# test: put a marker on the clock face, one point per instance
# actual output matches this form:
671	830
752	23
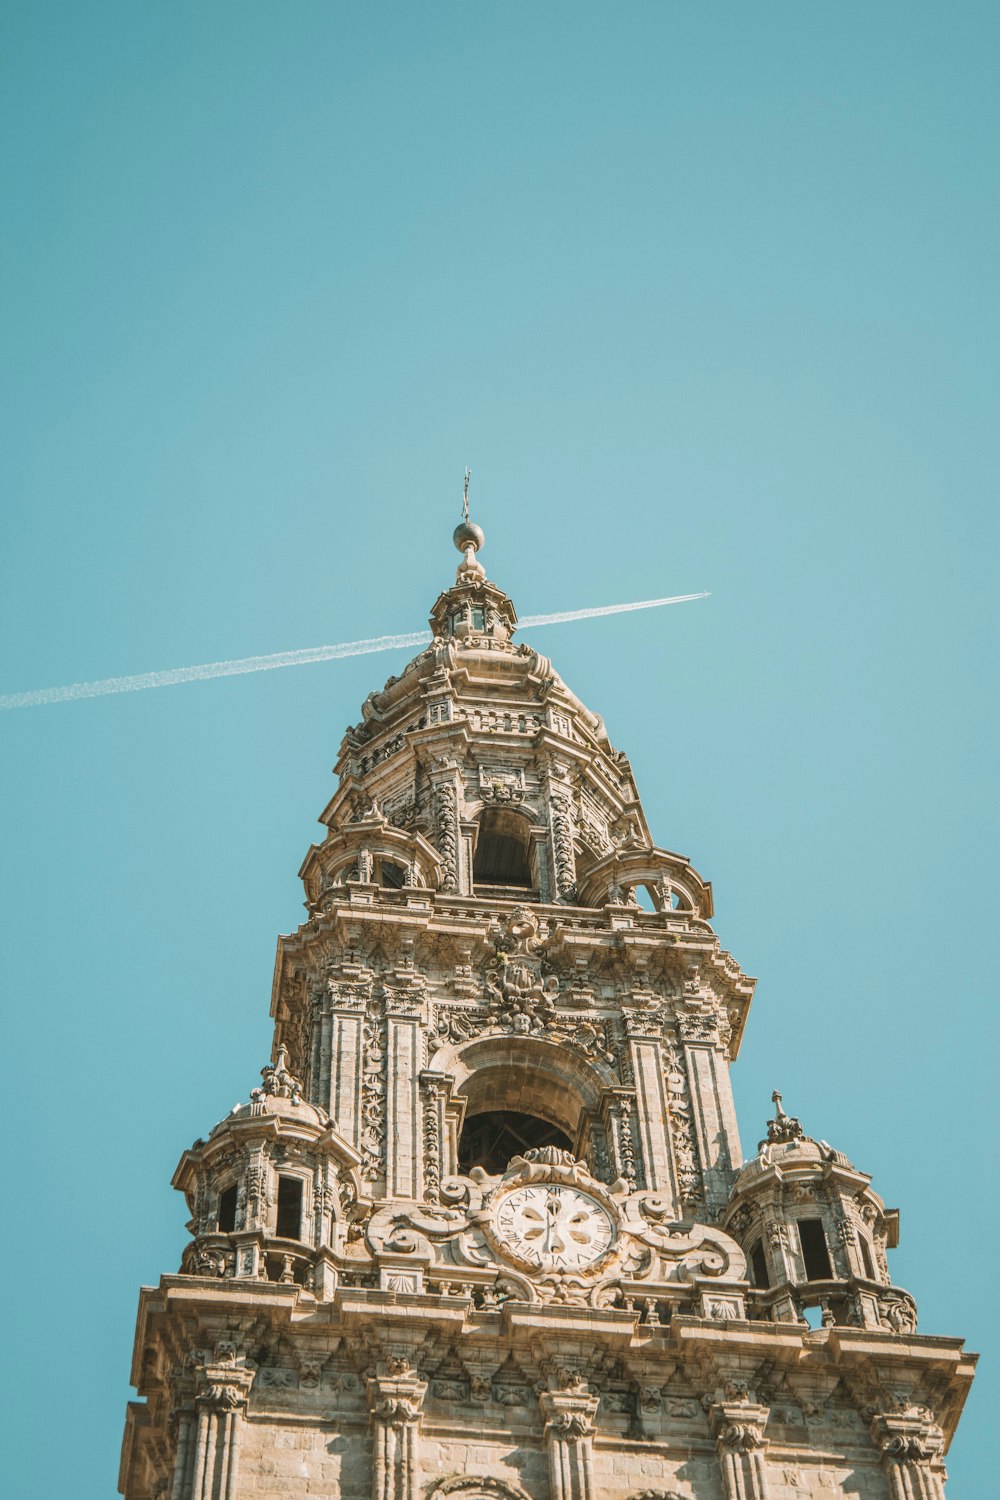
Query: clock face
549	1226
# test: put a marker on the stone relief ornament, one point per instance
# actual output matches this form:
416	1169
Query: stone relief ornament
689	1178
561	805
447	836
373	1088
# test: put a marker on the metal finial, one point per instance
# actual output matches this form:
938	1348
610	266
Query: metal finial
468	537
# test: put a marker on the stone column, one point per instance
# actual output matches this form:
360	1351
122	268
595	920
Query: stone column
211	1463
911	1446
645	1040
569	1439
395	1403
740	1445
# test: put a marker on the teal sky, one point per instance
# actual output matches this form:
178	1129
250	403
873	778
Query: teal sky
706	296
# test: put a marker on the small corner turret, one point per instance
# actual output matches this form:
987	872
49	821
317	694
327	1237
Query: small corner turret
815	1234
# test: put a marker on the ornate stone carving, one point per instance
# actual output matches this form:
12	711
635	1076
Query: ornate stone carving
783	1127
277	1081
373	1090
447	836
689	1176
561	807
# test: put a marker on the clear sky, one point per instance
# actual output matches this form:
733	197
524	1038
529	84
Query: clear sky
706	296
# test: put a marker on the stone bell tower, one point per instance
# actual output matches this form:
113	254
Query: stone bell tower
484	1231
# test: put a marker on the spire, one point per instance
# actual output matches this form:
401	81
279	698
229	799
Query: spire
468	538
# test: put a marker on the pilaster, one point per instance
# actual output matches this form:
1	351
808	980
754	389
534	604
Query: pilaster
645	1043
713	1109
911	1446
740	1445
395	1403
569	1440
403	1141
207	1468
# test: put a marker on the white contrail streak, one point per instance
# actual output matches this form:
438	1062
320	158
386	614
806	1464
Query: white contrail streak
106	685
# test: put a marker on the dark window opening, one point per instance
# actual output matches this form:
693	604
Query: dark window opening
814	1252
392	875
502	851
758	1266
227	1210
289	1226
866	1258
490	1140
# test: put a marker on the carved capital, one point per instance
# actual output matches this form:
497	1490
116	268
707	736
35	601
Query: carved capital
911	1438
568	1415
224	1388
395	1401
738	1426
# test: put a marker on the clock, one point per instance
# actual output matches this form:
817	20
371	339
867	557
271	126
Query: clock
552	1227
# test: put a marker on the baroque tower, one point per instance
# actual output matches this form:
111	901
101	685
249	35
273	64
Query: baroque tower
484	1230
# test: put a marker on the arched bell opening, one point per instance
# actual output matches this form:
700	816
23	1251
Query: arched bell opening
539	1094
491	1138
503	858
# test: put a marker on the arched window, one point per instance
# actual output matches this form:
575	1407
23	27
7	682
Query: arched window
503	850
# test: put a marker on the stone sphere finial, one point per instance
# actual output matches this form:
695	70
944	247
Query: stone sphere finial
468	534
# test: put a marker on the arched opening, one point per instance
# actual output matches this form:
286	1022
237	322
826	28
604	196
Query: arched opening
586	859
503	851
489	1139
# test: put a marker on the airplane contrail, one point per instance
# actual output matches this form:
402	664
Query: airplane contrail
136	684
